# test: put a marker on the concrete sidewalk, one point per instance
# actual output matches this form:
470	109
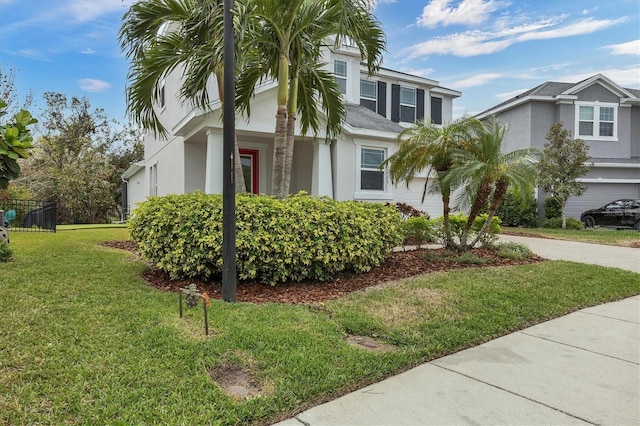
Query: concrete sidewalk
583	368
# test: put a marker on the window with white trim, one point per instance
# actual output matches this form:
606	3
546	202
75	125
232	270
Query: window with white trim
407	105
340	71
153	180
369	94
371	177
595	120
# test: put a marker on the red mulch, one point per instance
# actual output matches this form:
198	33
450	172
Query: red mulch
399	265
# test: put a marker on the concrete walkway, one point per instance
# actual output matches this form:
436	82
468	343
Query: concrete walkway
583	368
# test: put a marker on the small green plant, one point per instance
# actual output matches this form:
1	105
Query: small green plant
418	230
514	251
457	222
5	251
556	223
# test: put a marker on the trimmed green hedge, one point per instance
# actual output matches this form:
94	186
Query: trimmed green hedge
294	239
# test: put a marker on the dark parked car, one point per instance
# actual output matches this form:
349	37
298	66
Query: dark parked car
616	214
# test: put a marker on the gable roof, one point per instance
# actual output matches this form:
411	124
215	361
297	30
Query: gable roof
553	91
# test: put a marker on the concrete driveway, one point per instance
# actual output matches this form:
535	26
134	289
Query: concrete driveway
596	254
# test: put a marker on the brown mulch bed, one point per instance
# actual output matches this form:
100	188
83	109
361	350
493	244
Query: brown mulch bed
399	265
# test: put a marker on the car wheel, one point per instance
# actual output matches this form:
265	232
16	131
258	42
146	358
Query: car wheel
589	221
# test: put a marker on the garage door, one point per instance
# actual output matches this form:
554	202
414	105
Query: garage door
599	194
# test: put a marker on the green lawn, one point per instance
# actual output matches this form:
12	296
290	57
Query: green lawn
611	237
84	340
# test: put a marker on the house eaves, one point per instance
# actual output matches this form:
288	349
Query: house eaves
364	122
133	170
514	103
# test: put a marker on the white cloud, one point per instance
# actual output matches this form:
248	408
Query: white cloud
86	10
508	95
629	76
628	48
584	26
93	85
476	42
476	80
88	51
374	3
468	12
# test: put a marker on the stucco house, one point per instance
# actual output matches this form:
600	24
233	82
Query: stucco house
599	111
345	168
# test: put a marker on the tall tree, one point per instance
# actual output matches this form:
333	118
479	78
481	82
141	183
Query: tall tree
563	161
286	41
73	163
429	147
161	36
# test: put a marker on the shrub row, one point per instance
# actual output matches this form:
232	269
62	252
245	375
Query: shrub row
293	239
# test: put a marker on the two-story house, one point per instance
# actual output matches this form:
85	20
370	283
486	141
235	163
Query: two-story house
597	110
345	168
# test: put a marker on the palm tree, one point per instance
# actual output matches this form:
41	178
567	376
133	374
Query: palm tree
431	147
486	174
161	36
287	40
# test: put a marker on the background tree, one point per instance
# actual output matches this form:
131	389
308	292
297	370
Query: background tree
563	161
9	94
77	163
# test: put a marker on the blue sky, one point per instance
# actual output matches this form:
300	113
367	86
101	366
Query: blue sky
490	50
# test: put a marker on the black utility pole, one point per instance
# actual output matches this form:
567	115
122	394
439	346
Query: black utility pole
228	153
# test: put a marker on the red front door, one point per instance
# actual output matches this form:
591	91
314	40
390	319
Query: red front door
249	160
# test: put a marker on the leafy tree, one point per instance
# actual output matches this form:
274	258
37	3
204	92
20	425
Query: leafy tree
15	143
75	161
161	36
285	46
430	147
563	161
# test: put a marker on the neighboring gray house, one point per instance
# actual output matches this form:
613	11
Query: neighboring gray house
345	168
599	111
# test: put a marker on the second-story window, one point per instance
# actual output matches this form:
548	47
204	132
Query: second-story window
340	71
407	105
369	94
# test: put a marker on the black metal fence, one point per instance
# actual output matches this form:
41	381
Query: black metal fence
28	215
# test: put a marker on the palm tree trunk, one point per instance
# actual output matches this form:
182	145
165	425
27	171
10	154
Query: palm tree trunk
237	164
500	191
480	201
291	127
280	137
448	241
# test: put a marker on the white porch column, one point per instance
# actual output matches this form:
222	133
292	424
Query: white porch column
213	173
322	175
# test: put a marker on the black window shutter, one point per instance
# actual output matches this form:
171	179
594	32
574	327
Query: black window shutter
419	104
395	103
436	110
382	98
